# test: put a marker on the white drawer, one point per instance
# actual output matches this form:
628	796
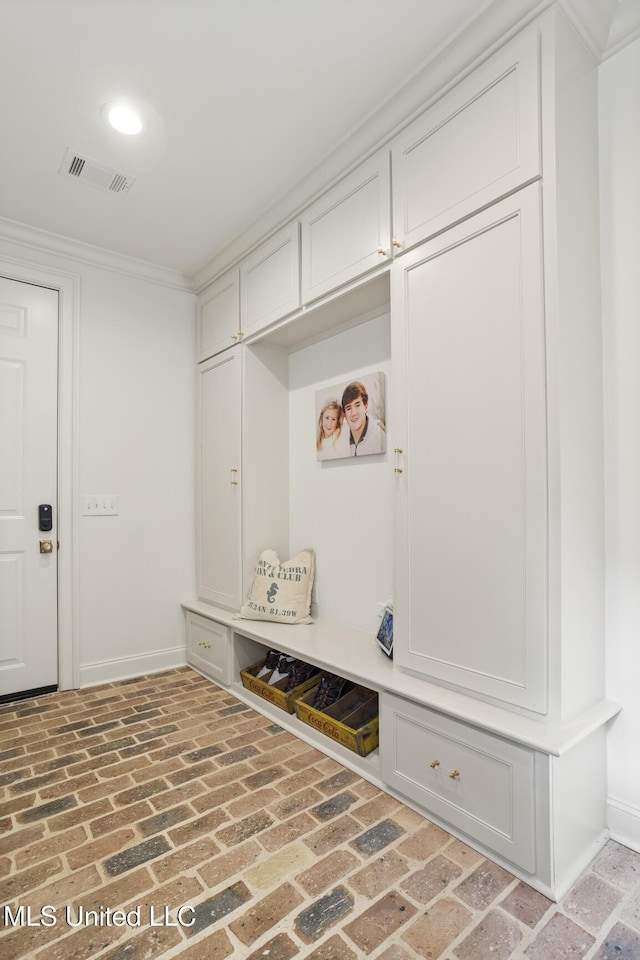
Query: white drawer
480	783
209	647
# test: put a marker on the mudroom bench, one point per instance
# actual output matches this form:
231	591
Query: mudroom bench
483	773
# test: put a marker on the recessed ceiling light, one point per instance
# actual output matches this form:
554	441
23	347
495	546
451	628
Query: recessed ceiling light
123	118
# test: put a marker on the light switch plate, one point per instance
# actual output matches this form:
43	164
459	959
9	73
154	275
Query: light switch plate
100	505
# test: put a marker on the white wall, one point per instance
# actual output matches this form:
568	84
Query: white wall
341	507
620	225
136	440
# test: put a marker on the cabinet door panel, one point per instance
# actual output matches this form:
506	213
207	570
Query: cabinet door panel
219	316
479	783
270	281
343	232
476	144
209	647
218	476
472	558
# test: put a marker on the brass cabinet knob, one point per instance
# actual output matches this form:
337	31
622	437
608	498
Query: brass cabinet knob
382	252
434	764
396	243
454	775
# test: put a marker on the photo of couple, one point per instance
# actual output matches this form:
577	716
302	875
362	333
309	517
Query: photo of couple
350	418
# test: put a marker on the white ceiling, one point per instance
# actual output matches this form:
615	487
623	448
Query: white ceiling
243	98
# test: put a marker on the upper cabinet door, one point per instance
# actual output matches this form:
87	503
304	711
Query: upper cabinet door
347	231
219	316
478	143
270	280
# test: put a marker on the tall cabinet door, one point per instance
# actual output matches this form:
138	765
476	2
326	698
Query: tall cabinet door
470	586
218	494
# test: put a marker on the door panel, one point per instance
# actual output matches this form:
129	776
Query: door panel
346	232
471	580
28	477
219	497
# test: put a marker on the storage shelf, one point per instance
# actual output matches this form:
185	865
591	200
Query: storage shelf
360	300
354	655
368	766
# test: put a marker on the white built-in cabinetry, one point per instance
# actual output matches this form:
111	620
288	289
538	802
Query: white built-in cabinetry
487	127
472	531
270	280
347	231
492	714
218	316
219	479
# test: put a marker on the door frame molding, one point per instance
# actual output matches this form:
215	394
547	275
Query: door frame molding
68	287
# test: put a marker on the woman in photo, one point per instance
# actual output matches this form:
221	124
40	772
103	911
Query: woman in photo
330	439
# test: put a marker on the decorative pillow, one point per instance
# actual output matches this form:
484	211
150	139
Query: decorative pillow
281	591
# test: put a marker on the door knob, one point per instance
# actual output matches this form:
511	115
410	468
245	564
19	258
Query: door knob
46	546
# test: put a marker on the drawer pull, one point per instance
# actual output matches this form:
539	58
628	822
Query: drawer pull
434	764
207	646
455	775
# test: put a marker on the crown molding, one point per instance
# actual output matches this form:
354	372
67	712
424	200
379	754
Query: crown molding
52	243
604	26
592	20
625	27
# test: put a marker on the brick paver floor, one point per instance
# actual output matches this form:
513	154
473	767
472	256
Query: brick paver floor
161	817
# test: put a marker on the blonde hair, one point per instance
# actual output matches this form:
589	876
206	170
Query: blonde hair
329	405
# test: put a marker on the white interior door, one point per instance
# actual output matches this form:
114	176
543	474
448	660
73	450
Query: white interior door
28	478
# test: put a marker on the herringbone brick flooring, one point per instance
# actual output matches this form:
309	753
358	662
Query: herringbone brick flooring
161	818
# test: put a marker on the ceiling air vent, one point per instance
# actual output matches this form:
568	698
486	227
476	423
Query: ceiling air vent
94	173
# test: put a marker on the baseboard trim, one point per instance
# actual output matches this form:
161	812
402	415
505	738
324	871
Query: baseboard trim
126	668
624	823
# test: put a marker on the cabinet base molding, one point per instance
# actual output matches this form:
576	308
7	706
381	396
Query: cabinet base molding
555	891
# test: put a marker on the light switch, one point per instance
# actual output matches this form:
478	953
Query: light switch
100	505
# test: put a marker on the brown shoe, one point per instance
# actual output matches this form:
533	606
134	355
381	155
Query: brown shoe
329	690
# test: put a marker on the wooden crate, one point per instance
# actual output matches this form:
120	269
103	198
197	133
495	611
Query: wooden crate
275	693
352	720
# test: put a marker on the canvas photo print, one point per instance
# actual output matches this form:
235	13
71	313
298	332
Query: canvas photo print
351	418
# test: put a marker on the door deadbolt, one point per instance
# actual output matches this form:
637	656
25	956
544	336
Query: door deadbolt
45	517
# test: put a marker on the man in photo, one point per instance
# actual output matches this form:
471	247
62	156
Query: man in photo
366	434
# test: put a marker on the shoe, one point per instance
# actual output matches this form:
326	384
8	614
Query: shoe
300	671
329	690
270	664
282	670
